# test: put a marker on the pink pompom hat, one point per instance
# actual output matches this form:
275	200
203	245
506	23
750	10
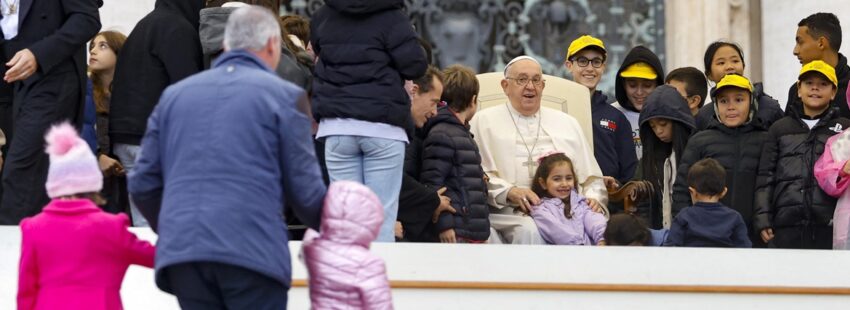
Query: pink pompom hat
73	166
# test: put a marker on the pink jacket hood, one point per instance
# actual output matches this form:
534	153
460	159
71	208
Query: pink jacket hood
352	214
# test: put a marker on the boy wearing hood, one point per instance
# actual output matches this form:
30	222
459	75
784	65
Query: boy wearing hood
162	49
612	133
792	211
735	140
639	75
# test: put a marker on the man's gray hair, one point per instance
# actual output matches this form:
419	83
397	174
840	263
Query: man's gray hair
250	28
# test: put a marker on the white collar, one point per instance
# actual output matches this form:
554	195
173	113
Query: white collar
516	113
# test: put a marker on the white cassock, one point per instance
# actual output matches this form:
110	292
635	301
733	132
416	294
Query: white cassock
505	159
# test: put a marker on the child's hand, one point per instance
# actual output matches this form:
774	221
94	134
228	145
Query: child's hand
601	243
846	169
767	234
448	236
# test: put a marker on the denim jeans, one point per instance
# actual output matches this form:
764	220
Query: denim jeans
126	154
376	162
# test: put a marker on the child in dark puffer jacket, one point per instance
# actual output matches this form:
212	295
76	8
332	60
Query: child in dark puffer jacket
450	158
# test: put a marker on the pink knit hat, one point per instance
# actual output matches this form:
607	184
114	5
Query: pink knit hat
73	167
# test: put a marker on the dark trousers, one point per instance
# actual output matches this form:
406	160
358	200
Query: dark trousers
207	285
38	103
802	237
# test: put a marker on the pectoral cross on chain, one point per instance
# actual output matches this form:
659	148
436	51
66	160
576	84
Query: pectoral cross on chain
13	8
532	166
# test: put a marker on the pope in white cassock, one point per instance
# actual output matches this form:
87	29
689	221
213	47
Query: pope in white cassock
512	136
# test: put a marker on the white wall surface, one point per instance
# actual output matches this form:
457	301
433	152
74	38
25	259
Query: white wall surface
779	25
122	15
545	264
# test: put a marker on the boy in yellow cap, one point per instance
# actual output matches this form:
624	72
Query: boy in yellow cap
612	132
638	76
792	211
733	139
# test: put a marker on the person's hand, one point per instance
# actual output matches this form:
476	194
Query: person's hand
601	243
595	205
611	183
767	234
445	205
399	230
110	166
21	66
524	198
448	236
846	168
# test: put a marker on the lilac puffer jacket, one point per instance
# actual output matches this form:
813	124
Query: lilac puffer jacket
343	274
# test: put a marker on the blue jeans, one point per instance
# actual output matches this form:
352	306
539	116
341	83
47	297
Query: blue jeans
126	154
378	163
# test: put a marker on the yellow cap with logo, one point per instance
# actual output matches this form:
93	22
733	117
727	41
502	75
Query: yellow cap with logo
822	68
583	42
733	80
639	70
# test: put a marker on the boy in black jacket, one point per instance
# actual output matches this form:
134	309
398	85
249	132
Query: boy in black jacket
450	158
708	223
792	211
613	146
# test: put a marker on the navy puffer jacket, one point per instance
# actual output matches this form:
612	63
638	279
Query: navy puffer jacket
366	50
450	158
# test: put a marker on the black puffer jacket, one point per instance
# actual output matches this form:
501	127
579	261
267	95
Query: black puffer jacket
768	111
738	150
366	49
637	54
788	195
450	158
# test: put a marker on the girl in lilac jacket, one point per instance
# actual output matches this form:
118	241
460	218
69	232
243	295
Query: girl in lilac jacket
73	254
343	274
832	171
563	216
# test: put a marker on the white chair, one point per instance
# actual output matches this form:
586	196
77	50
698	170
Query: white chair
560	94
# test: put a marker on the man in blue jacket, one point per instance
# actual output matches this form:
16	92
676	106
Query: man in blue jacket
224	151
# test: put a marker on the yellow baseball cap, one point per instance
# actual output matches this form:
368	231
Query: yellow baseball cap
583	42
822	68
640	70
733	80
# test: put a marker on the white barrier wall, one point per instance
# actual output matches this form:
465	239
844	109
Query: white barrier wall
436	276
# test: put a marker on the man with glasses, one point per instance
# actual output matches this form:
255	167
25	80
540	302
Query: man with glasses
612	132
512	137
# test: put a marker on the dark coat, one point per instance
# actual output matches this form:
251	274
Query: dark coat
842	72
366	49
637	54
207	207
738	150
613	145
664	102
162	49
708	225
417	202
450	158
768	111
788	196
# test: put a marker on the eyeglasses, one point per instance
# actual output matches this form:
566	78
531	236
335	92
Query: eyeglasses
583	62
523	81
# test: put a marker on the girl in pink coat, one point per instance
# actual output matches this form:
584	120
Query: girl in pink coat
74	255
832	171
343	274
